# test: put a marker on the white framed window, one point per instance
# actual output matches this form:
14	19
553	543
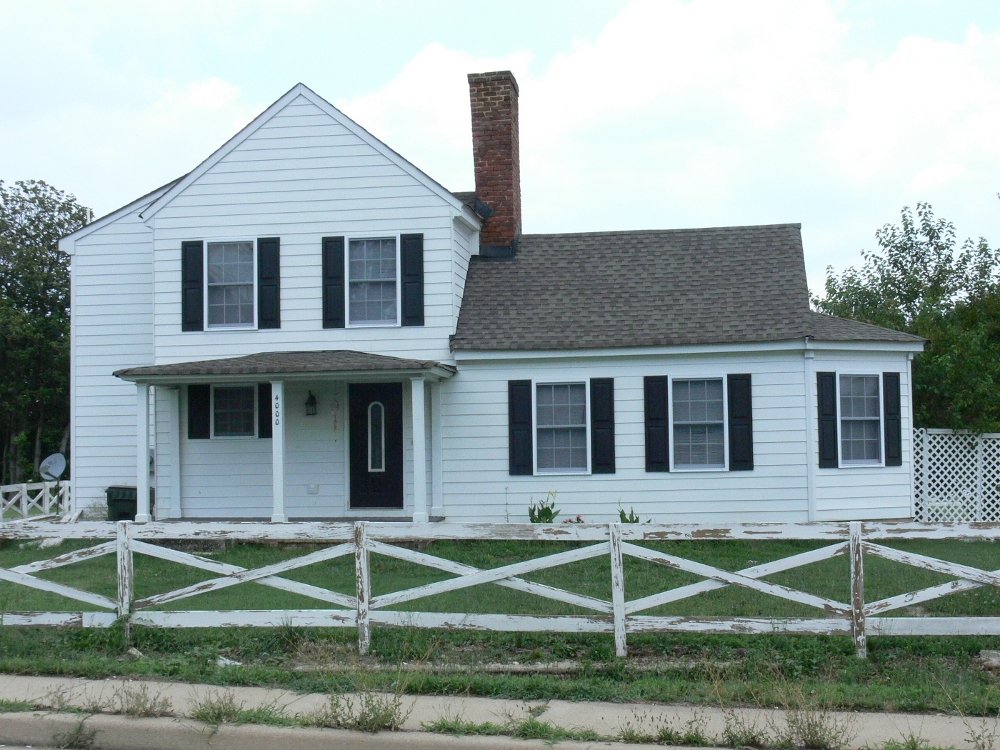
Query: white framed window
859	416
234	411
562	427
376	437
698	424
231	284
373	284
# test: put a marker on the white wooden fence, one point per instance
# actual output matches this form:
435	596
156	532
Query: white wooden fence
620	616
40	498
956	476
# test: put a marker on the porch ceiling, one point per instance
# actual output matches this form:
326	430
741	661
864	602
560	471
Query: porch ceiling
342	363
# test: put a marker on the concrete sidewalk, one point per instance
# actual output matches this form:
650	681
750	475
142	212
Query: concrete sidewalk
55	693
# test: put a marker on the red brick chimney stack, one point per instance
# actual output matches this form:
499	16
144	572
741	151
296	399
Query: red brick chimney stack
496	154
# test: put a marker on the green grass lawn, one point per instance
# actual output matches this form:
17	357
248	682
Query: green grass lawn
918	674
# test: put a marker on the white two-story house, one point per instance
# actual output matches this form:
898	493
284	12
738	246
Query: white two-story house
306	326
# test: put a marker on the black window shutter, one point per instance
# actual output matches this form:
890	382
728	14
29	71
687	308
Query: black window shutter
602	428
199	412
826	390
192	286
740	423
657	424
412	256
893	419
264	410
333	282
519	419
269	282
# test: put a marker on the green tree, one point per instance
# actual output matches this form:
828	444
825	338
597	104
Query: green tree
921	281
34	324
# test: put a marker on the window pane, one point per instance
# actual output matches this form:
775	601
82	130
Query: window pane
860	420
230	284
235	414
376	443
699	432
561	419
372	267
699	445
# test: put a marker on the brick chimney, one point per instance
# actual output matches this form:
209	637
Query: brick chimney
497	159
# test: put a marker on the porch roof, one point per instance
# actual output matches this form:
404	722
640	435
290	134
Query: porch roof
287	366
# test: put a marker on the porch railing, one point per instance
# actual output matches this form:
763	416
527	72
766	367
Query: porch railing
38	498
619	616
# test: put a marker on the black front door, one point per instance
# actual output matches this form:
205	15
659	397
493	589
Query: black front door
376	426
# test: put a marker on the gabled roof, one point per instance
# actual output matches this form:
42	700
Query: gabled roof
304	91
601	290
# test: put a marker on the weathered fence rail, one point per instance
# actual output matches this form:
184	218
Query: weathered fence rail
40	498
620	616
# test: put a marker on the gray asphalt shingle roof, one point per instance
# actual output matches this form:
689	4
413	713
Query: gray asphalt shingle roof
648	288
284	363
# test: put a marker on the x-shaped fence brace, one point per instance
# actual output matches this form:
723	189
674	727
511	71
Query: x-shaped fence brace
618	615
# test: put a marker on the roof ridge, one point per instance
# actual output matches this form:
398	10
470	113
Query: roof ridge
620	232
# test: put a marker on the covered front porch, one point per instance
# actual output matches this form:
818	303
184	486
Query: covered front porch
324	435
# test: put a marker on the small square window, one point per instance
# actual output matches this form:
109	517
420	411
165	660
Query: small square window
860	420
230	285
561	426
372	273
699	424
234	411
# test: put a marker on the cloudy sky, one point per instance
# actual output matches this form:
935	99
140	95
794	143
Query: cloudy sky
634	115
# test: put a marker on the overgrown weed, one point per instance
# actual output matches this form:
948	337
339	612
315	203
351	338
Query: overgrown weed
644	729
134	699
78	738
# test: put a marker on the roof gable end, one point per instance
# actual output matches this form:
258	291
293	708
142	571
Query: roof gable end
300	90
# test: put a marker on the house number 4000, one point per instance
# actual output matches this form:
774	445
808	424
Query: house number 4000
277	410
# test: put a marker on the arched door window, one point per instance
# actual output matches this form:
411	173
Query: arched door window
376	436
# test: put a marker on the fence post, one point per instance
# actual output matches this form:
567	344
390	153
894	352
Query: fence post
24	501
858	593
617	588
126	574
363	573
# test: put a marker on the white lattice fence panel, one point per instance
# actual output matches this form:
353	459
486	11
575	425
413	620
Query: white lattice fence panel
956	476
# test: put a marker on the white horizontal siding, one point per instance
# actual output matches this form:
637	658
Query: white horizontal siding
112	321
863	492
477	485
303	176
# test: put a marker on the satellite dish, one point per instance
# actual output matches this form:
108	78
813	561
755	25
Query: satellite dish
53	467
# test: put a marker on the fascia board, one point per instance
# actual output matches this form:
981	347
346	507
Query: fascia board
795	345
71	238
300	89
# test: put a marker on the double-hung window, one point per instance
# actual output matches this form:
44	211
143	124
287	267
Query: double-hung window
699	424
372	280
230	281
860	420
234	411
561	427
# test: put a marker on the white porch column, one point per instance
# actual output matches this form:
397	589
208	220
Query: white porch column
419	451
437	451
171	506
142	453
278	451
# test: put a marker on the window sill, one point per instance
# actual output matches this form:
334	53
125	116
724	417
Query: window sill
374	324
234	437
861	465
698	469
562	472
230	328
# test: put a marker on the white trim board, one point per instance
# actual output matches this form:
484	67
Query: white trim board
795	345
304	91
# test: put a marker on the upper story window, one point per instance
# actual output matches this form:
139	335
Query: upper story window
372	271
230	281
860	420
561	427
699	424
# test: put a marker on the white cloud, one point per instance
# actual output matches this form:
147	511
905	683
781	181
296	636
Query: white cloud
724	112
